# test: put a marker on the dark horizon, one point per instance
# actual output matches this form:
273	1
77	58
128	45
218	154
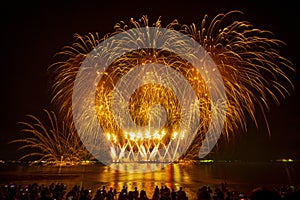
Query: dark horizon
33	32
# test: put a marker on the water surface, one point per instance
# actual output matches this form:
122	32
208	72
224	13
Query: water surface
242	177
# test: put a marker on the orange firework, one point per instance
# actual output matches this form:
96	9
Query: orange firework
251	67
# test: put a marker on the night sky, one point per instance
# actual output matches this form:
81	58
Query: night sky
31	33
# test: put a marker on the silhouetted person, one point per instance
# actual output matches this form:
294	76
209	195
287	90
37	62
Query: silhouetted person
130	195
264	194
219	194
203	193
156	194
173	194
135	193
143	195
181	194
123	194
110	194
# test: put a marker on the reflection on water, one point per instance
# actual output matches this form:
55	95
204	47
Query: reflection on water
238	176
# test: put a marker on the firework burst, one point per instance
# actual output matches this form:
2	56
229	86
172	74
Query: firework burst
52	142
247	58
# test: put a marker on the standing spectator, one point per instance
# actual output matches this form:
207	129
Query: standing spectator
181	194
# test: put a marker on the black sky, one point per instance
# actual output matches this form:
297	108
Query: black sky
32	32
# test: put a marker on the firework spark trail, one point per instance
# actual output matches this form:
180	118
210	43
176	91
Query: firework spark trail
252	70
83	99
244	57
53	142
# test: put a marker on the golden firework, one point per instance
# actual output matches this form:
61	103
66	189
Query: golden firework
252	69
53	143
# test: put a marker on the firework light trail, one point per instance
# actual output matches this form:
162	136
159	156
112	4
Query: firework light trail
53	142
252	73
149	130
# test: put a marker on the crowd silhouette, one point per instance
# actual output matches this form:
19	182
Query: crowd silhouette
59	192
